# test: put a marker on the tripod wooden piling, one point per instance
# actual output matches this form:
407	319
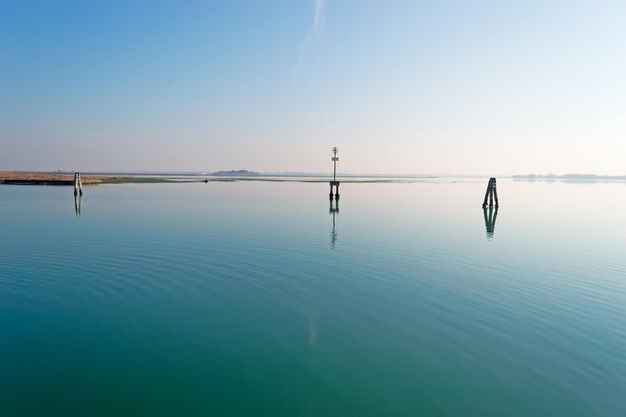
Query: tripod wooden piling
491	193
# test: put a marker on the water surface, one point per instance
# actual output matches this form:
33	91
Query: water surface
256	299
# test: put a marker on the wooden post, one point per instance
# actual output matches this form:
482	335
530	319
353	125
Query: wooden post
78	185
336	185
490	193
495	193
487	193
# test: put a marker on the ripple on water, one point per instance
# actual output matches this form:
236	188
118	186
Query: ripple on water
413	306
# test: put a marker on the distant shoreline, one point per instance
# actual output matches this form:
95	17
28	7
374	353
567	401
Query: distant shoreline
67	179
570	177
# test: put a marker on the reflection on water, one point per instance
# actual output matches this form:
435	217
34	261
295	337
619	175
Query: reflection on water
78	202
334	209
490	220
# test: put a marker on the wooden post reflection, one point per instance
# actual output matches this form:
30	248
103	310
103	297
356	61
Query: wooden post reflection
334	210
78	202
490	220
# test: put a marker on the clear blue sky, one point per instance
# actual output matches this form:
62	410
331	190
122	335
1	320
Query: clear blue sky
469	87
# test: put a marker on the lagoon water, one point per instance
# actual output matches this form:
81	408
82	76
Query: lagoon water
252	299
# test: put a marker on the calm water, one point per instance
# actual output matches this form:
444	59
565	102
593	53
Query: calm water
252	299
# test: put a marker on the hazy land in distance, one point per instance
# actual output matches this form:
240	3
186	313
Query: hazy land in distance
89	178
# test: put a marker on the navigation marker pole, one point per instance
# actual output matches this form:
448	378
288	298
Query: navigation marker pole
334	182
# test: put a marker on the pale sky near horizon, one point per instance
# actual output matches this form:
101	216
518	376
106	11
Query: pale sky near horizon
461	87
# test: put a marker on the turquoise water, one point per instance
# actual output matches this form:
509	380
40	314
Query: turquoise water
252	299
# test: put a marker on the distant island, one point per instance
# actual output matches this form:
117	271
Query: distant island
235	173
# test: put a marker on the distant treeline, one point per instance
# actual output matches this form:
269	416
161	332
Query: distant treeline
240	172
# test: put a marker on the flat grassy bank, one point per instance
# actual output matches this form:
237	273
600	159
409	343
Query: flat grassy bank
38	178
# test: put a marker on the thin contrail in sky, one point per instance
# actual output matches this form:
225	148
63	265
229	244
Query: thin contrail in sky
314	33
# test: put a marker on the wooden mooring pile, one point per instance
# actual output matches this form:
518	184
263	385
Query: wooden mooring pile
78	185
491	193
